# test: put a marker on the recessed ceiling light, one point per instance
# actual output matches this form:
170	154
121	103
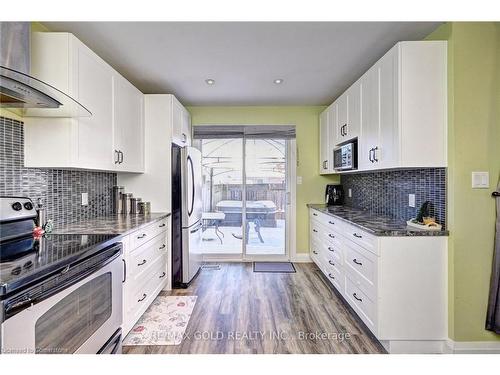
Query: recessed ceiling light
278	81
210	81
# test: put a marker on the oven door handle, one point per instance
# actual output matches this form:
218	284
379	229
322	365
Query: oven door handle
37	293
113	346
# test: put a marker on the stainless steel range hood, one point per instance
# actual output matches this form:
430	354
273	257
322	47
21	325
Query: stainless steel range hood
22	93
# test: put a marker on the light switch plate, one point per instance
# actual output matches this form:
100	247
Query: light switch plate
480	180
349	193
411	200
299	180
85	199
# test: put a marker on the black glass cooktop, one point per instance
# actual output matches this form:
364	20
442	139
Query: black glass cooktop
25	260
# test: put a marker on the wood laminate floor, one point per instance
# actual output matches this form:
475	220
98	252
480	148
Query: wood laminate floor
239	311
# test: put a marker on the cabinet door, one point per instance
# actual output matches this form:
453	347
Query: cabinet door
179	131
95	133
353	111
388	147
332	127
342	118
128	149
186	126
370	119
323	142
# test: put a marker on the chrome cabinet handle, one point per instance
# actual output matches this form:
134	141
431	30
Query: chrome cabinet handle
142	263
124	271
331	249
315	231
356	262
117	157
315	252
357	235
331	276
184	137
315	214
331	235
162	247
331	262
163	275
161	225
141	236
375	160
331	222
372	158
143	298
356	297
121	159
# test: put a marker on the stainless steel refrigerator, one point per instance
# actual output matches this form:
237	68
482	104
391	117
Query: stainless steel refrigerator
186	214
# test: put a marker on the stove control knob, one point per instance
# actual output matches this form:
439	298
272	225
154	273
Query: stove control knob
28	206
17	206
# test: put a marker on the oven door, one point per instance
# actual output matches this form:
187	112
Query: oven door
80	318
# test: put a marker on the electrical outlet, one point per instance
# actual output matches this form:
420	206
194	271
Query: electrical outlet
349	193
299	180
85	199
411	200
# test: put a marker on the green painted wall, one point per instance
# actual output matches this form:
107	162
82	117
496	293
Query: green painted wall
306	120
473	145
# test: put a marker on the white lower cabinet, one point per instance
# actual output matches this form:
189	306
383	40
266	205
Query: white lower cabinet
146	266
396	285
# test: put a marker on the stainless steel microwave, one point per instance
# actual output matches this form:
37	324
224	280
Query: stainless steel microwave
345	157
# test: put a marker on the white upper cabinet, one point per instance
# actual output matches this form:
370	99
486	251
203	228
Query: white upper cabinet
398	109
128	134
181	124
323	142
63	61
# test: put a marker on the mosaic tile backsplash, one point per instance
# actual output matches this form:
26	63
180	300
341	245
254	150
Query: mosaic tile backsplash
60	190
386	192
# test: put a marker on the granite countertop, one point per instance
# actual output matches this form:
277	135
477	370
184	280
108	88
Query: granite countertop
375	224
113	224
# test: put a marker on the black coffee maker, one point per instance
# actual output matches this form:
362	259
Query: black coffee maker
334	195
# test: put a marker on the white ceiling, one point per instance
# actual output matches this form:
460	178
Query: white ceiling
317	60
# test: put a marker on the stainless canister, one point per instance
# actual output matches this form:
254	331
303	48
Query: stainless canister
126	203
134	205
145	208
117	199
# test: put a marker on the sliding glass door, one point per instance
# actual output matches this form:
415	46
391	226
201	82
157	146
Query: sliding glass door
245	198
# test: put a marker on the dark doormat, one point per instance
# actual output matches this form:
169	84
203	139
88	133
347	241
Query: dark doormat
274	267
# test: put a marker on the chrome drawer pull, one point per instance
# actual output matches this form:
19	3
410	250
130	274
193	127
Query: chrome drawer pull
331	249
331	222
315	231
162	225
331	235
331	277
358	263
141	236
357	235
143	262
314	252
143	298
315	214
163	275
162	247
356	297
331	262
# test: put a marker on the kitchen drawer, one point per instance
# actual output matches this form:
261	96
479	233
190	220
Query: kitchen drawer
315	252
142	258
137	298
335	277
332	255
362	265
150	231
362	238
360	302
324	233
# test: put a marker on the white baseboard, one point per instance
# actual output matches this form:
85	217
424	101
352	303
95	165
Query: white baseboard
414	346
472	347
301	258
